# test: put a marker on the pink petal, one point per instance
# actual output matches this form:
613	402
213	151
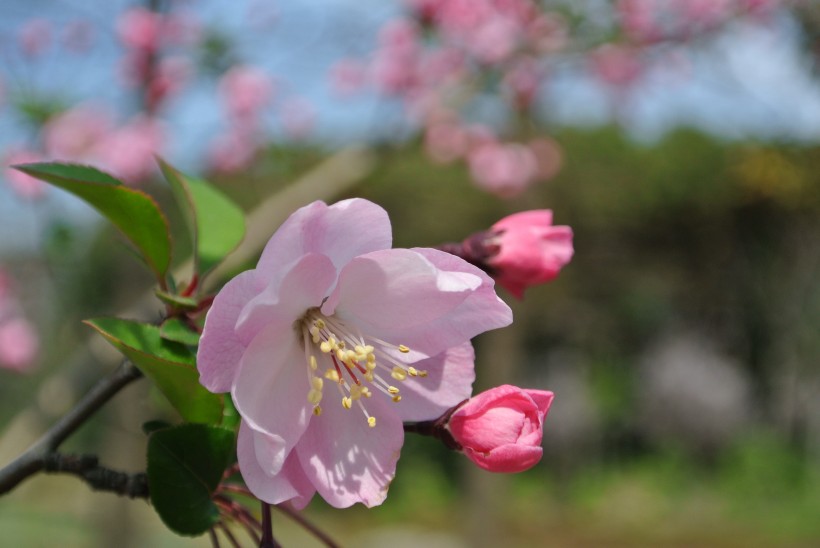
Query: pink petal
219	348
449	381
398	288
305	284
270	391
480	311
345	459
341	231
506	459
525	220
290	483
542	398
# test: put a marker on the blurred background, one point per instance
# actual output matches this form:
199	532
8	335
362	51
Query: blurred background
678	139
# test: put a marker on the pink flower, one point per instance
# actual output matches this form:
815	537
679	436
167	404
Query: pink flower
23	185
35	37
18	344
332	342
245	90
73	134
128	152
616	65
232	151
501	429
503	169
529	250
140	28
445	142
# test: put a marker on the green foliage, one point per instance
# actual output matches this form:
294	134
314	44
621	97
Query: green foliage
185	466
217	224
174	329
169	364
132	211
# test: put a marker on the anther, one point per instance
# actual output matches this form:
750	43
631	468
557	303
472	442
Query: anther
371	422
347	403
403	349
398	373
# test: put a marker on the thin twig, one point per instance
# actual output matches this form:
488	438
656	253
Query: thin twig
229	535
33	460
310	527
98	477
214	538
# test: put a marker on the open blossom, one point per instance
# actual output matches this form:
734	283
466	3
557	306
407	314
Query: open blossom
332	342
528	250
501	429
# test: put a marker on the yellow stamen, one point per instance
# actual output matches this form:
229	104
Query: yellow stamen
398	373
317	410
371	422
347	403
403	349
332	375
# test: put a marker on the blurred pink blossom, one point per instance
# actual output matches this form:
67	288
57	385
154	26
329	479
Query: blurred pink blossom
616	65
74	134
35	36
23	185
232	151
245	91
549	156
505	169
298	118
523	80
445	142
19	345
140	28
128	151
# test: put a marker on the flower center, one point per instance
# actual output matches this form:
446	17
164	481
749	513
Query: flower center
338	352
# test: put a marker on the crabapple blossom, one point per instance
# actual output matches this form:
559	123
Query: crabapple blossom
19	344
334	340
501	429
505	169
529	250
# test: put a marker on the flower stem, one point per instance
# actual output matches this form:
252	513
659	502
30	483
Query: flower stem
34	459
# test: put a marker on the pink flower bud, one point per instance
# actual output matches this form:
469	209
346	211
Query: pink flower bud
19	345
530	250
501	429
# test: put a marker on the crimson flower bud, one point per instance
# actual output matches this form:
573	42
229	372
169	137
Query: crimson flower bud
528	250
501	429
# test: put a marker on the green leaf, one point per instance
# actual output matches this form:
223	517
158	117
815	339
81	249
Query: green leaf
149	427
175	329
132	211
177	301
170	365
216	223
185	466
